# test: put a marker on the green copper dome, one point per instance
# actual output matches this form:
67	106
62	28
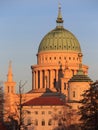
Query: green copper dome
80	76
59	39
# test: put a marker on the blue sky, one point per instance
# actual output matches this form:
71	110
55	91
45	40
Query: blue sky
23	23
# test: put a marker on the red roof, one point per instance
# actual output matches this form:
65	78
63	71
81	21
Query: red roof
45	100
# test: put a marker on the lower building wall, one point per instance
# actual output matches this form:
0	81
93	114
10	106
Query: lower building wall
41	117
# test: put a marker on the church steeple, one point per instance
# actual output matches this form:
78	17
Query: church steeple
10	84
10	75
59	20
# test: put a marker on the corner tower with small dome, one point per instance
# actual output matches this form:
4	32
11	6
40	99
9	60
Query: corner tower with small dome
58	59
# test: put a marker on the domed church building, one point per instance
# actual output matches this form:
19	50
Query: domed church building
58	79
58	59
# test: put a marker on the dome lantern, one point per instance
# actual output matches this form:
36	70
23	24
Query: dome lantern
59	20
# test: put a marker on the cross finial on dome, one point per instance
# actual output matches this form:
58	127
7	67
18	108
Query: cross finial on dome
59	11
59	20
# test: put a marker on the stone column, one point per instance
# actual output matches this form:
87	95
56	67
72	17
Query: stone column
51	78
36	80
48	79
57	82
33	80
41	79
45	79
56	75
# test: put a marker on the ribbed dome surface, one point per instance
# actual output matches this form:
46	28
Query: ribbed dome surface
59	39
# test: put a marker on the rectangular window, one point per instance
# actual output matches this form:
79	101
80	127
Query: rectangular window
28	121
8	89
74	94
36	122
36	112
59	112
28	112
49	112
50	122
43	112
65	86
43	122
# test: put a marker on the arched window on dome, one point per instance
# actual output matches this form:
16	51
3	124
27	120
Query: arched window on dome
55	58
50	58
73	58
60	58
64	58
45	58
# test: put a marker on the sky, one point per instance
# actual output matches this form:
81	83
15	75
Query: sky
23	24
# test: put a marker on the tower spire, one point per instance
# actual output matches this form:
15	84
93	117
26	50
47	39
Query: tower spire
10	84
10	74
59	20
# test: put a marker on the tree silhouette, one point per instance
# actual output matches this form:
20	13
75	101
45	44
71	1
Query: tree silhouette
89	108
1	101
65	120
